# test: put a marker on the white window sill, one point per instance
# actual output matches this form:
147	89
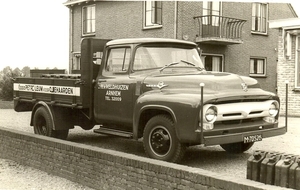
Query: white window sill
258	76
259	33
152	27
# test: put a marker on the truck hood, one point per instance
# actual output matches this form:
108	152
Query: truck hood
216	84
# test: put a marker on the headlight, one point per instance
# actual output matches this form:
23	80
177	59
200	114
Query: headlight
211	114
273	109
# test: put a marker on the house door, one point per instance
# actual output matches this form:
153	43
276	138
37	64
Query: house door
211	19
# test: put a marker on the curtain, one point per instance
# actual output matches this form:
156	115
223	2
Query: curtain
216	62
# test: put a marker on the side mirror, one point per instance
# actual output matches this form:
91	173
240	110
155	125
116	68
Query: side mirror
200	51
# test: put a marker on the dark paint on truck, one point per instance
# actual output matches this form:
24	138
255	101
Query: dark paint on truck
150	88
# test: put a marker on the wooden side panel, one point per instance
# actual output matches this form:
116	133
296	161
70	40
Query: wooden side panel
56	91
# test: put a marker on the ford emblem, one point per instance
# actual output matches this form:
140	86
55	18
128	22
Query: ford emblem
244	87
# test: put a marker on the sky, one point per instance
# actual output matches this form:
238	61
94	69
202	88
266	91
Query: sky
35	33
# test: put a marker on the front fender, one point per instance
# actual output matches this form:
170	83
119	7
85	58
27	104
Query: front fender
183	108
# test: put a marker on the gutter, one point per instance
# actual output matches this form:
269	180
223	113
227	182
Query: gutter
175	19
72	2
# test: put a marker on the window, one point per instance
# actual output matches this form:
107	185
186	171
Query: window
76	61
118	61
259	17
213	62
88	20
257	66
152	14
97	57
212	9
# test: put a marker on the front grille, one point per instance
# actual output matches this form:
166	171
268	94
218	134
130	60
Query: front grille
232	114
240	121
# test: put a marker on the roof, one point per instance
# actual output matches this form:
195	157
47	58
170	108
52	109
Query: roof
147	40
72	2
285	23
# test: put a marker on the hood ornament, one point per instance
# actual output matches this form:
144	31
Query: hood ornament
160	85
244	86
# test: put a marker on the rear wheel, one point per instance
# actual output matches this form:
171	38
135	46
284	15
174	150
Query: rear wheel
43	124
236	148
160	140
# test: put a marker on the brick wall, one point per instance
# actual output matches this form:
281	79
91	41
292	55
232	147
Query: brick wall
107	169
286	72
238	56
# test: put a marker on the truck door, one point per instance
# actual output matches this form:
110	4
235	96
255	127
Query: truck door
114	91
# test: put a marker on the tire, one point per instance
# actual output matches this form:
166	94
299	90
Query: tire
237	148
43	124
160	140
61	134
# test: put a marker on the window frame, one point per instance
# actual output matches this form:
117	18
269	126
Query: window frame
264	74
127	49
203	56
253	16
211	9
76	61
154	16
84	20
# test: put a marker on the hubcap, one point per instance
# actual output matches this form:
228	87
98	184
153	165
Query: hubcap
160	141
42	126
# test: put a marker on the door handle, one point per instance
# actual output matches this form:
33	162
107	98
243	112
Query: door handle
101	80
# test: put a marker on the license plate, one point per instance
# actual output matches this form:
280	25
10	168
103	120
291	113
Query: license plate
252	138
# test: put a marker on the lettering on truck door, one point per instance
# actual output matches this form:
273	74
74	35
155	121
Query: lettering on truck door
114	89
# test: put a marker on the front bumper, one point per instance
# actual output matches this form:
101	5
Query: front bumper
239	137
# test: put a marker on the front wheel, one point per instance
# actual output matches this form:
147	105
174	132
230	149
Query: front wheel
236	148
43	124
160	140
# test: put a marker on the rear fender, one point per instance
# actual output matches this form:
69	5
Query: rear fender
60	116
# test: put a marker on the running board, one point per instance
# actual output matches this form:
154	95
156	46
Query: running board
114	132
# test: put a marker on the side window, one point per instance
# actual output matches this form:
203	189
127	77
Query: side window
257	66
88	20
259	18
152	14
117	61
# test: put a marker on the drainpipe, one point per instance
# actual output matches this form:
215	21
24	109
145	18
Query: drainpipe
175	19
71	40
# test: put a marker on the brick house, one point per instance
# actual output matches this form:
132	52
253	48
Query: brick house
238	41
288	62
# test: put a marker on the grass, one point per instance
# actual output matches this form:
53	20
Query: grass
6	104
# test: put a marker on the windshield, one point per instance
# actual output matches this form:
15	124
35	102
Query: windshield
160	57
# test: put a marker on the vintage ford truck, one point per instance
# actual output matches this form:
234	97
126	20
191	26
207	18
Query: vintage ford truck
153	89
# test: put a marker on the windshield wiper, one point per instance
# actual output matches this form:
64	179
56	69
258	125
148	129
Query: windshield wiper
176	63
170	64
192	64
187	62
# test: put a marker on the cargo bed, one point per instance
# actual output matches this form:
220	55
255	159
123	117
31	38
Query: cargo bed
62	90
